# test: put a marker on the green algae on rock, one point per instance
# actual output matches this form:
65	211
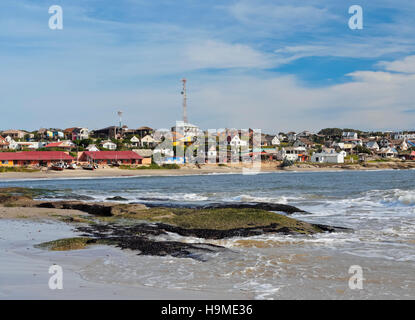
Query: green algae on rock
67	244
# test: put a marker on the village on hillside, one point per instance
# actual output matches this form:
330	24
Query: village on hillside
186	143
119	145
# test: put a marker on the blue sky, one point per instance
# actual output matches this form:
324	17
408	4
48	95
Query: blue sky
275	65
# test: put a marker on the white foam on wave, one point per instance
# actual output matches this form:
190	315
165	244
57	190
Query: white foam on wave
250	198
173	196
407	199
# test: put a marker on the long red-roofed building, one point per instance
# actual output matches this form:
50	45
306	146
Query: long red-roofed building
109	157
33	158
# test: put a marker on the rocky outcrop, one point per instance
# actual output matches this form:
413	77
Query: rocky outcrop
277	207
105	209
116	198
137	227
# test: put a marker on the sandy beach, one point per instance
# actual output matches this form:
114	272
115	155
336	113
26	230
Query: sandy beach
24	269
266	167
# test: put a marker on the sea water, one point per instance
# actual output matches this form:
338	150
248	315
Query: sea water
378	205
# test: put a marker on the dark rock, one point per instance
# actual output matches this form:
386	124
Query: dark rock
136	237
239	205
116	198
327	228
99	209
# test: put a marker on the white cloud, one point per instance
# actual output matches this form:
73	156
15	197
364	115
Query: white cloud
370	100
406	65
282	17
344	47
215	54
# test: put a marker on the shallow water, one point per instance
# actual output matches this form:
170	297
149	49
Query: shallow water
378	205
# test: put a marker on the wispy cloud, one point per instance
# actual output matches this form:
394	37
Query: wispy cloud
214	54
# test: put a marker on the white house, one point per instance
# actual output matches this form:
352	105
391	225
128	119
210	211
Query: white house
304	134
275	141
324	157
148	141
164	151
135	141
403	146
212	153
92	147
349	135
339	145
401	135
237	142
291	136
387	152
372	145
291	153
28	145
13	145
109	145
186	129
80	134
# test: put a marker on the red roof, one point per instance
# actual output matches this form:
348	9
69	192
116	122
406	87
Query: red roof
112	155
35	156
59	144
3	141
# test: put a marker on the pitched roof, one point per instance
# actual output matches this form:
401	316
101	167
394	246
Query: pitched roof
3	142
59	144
306	141
145	153
112	155
69	130
35	155
13	131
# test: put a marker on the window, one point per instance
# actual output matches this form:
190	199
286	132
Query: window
5	162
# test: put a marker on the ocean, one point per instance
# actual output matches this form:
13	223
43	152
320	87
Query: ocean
378	205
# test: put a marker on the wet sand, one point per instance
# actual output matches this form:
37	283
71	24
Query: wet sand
37	213
24	269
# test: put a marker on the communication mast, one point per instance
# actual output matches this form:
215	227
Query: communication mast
184	101
120	123
120	118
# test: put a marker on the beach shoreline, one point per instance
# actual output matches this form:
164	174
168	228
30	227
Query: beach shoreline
268	167
27	269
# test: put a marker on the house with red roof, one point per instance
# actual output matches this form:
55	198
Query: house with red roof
111	157
33	158
67	145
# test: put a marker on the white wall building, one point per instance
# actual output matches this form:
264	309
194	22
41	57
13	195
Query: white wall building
401	135
291	153
109	145
349	135
13	145
324	157
92	147
186	129
135	142
237	142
